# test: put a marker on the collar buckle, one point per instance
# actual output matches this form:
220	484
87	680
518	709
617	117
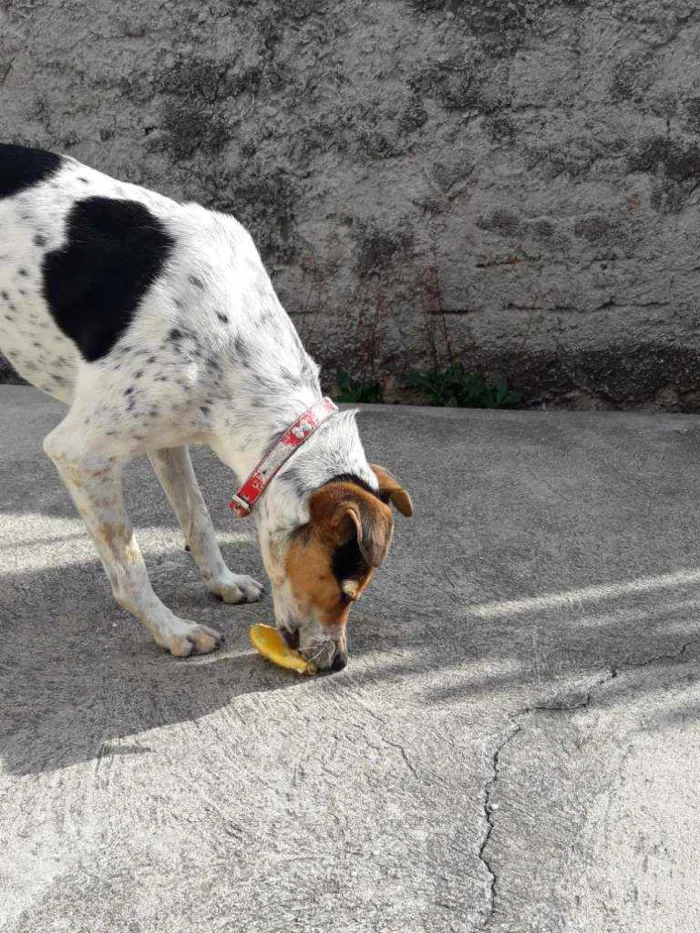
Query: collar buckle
239	506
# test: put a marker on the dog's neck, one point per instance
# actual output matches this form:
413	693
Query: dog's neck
268	381
334	449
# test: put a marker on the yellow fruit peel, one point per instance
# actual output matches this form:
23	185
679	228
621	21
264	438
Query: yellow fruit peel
271	645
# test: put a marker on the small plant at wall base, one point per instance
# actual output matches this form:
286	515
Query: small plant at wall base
454	388
356	391
447	383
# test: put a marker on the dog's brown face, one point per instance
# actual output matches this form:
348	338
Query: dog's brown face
330	561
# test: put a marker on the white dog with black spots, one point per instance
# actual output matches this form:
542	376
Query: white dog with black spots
157	324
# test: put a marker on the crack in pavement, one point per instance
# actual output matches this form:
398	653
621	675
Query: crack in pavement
612	674
490	806
405	757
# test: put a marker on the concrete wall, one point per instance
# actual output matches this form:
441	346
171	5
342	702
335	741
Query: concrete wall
519	178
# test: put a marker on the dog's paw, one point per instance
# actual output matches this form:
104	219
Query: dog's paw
188	638
237	588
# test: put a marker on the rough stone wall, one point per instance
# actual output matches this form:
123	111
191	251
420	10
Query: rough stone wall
514	182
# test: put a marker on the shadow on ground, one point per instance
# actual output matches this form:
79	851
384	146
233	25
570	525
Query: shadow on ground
548	554
77	673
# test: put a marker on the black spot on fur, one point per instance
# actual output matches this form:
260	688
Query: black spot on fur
22	272
84	180
129	390
5	296
93	285
175	334
21	168
193	280
205	410
151	359
222	317
138	374
239	345
264	382
39	240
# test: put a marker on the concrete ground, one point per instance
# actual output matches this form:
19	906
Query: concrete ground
514	745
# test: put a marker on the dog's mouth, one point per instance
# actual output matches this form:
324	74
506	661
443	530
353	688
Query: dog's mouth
322	653
292	638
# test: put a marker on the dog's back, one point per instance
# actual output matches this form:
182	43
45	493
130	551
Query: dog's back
59	221
33	205
84	259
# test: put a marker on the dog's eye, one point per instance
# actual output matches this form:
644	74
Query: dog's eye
344	598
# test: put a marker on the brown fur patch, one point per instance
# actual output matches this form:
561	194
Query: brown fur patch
340	509
390	490
339	513
315	588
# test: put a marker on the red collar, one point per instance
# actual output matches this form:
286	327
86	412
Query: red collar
277	455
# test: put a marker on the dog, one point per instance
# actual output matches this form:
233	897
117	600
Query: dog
157	324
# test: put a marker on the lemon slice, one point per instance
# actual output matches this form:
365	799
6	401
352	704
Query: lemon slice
271	645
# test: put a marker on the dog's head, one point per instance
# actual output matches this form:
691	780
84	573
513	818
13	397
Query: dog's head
322	567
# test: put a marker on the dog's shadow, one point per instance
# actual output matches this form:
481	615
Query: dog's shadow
78	675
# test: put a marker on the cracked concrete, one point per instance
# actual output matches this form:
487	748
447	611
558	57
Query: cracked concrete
514	746
489	807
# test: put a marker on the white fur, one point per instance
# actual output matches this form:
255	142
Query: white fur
235	384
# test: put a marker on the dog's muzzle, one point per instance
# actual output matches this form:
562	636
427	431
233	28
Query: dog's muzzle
327	655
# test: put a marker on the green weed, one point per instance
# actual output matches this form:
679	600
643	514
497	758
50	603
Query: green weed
354	391
453	388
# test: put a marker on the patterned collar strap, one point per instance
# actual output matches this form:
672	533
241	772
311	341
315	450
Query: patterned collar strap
277	455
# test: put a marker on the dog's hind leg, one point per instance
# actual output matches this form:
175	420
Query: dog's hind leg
173	468
94	480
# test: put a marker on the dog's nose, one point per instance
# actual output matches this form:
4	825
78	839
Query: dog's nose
339	661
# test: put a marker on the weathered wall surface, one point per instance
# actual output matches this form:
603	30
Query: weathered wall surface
522	176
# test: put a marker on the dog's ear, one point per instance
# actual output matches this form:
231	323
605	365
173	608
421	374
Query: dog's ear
390	490
341	512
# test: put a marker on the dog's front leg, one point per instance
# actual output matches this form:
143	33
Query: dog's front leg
173	468
95	483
